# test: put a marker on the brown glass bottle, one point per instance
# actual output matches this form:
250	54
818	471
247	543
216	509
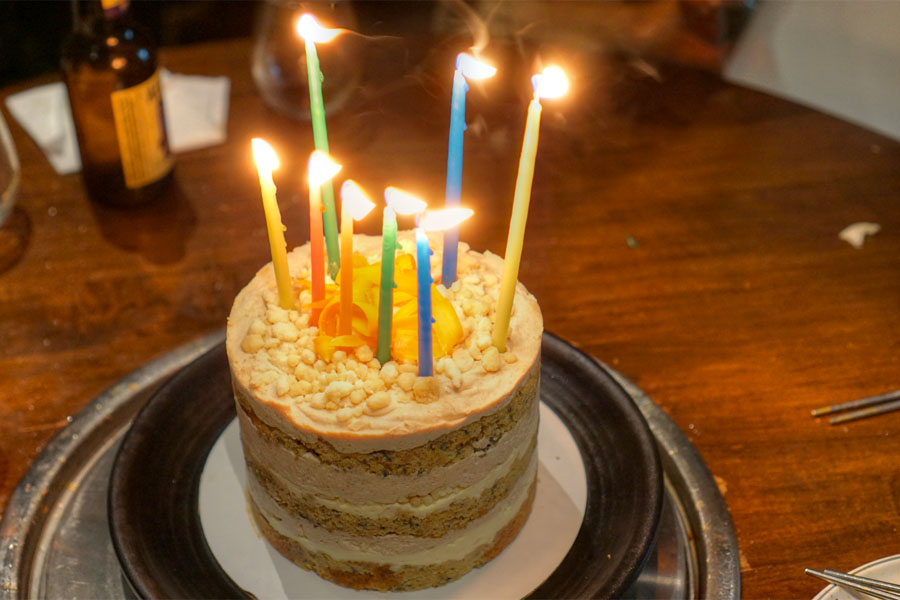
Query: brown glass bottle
110	69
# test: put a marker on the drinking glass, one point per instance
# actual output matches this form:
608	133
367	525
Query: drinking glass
10	173
279	58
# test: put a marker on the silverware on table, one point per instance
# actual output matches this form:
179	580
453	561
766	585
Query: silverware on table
862	408
873	587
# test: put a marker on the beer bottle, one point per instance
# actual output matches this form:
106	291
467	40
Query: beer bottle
110	69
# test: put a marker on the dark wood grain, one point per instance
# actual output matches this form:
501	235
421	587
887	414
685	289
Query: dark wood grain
735	306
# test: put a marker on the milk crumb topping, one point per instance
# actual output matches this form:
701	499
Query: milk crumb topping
354	383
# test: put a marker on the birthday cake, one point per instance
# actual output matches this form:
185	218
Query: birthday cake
369	474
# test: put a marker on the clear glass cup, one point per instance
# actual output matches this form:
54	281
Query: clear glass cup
279	57
10	172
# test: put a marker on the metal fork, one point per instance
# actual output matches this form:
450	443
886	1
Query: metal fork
873	587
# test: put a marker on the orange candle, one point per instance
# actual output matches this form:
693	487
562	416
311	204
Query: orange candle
321	169
354	206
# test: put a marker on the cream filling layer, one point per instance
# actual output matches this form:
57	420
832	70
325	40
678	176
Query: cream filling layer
397	550
309	476
450	495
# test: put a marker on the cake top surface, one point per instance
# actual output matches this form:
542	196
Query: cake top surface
349	398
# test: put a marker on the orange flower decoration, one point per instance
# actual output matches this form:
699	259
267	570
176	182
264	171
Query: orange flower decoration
448	331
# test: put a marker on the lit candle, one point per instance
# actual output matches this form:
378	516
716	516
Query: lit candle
386	291
398	202
552	83
466	68
266	162
439	220
423	266
321	169
309	29
354	206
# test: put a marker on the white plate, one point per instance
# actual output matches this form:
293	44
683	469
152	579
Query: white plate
556	517
886	569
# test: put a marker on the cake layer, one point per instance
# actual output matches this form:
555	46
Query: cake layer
395	550
355	484
445	450
384	577
421	518
403	424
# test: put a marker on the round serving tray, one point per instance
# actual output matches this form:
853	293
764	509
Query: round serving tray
54	540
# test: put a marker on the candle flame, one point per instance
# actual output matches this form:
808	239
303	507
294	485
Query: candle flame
309	29
552	83
354	200
403	203
321	168
472	68
445	218
265	157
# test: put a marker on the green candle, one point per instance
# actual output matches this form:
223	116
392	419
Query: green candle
311	32
386	296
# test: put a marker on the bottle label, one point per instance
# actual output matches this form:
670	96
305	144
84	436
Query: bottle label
141	131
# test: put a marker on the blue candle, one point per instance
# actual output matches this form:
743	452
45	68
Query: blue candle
423	270
553	83
438	220
454	172
466	67
403	203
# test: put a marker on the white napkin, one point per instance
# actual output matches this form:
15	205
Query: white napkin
196	109
45	114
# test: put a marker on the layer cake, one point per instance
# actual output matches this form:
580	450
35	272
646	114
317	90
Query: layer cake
365	473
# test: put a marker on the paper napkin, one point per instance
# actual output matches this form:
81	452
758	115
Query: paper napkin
45	115
196	110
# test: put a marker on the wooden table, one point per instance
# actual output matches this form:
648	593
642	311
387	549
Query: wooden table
682	229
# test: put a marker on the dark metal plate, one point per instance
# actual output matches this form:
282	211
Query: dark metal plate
54	537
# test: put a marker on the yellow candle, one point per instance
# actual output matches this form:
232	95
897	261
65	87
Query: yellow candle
516	238
266	162
552	83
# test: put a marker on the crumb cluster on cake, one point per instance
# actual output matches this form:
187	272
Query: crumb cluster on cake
365	472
